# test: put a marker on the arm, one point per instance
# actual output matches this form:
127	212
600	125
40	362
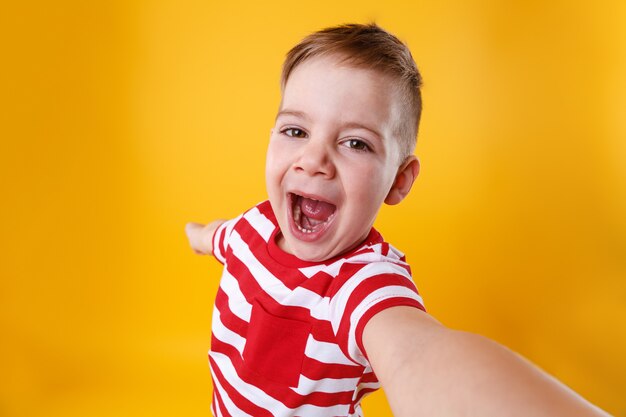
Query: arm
201	236
427	369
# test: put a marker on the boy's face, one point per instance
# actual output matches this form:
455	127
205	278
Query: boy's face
332	157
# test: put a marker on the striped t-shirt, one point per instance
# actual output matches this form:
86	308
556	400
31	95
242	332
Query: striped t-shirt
286	334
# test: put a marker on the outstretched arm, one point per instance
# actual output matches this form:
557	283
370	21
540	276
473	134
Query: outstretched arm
427	369
201	236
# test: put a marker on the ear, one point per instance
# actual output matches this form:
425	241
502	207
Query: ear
407	173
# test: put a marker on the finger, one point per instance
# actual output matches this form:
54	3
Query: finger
192	230
194	235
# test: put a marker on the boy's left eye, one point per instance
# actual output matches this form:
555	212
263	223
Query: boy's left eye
357	144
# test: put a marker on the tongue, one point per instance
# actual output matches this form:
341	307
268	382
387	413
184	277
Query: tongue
315	209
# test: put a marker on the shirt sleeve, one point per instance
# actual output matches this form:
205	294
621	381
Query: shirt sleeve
366	293
221	237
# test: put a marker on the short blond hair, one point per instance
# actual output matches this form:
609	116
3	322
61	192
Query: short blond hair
371	47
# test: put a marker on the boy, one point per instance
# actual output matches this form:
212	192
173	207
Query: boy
312	300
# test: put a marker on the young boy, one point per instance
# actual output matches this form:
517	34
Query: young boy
312	300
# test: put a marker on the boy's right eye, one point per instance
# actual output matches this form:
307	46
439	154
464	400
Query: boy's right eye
294	132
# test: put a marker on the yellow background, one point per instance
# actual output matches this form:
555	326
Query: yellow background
122	120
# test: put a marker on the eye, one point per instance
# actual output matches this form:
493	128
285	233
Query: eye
357	145
294	132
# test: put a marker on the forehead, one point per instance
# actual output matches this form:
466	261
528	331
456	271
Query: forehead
330	87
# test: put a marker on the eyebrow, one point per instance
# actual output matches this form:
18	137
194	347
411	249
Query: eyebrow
349	125
295	113
357	125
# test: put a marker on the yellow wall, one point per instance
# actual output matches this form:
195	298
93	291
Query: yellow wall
123	120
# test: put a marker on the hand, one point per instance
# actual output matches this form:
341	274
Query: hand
201	236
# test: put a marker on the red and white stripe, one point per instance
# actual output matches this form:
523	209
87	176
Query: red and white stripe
332	301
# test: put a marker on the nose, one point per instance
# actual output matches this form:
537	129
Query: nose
315	159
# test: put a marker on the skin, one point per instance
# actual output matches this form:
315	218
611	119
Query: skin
427	369
333	140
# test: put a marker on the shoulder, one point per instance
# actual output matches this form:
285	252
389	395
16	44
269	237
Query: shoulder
373	278
260	213
259	220
381	255
376	264
254	226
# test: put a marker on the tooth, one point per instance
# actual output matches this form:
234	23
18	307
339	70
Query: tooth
297	212
303	230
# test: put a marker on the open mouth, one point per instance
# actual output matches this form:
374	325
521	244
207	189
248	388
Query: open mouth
311	216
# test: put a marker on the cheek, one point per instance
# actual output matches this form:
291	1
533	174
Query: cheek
361	182
276	152
372	184
276	164
272	157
